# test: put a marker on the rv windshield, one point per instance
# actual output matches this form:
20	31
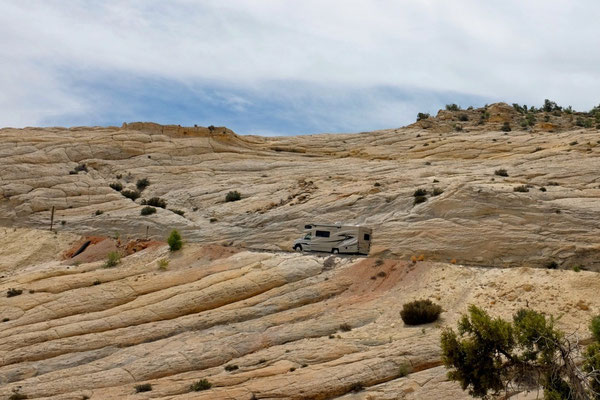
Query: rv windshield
307	237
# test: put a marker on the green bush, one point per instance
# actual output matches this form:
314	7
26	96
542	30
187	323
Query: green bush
99	212
112	259
200	385
142	184
463	117
17	396
452	107
148	210
144	387
163	263
595	327
420	312
231	367
12	292
131	194
155	202
436	191
552	265
421	116
501	172
116	186
174	240
419	200
420	192
506	127
178	212
522	189
233	196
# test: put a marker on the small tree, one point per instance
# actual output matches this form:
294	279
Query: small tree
421	116
174	240
494	355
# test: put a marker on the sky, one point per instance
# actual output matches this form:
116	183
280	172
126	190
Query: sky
289	67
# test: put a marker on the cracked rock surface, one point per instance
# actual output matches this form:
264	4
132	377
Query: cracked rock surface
268	325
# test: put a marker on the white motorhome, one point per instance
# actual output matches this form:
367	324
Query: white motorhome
337	238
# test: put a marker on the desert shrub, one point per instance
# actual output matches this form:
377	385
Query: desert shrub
550	106
116	186
142	184
96	282
233	196
524	123
453	107
212	220
131	194
99	212
357	387
489	356
420	192
458	128
144	387
595	327
542	189
147	210
12	292
436	191
419	200
420	312
163	263
552	265
530	118
178	212
112	259
345	327
421	116
174	240
231	367
522	189
573	143
80	168
463	117
520	109
17	396
329	262
580	121
501	172
156	202
588	123
200	385
576	268
506	127
404	370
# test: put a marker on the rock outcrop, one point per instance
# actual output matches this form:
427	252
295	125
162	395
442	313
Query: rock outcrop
255	325
543	209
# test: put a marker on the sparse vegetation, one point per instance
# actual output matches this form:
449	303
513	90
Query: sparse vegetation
148	210
419	200
463	117
233	195
131	194
99	212
501	172
345	327
357	387
231	367
174	240
144	387
112	259
155	202
420	192
163	264
453	107
17	396
404	370
506	127
552	265
420	312
142	184
489	356
200	385
521	189
79	168
116	186
421	116
436	191
12	292
178	212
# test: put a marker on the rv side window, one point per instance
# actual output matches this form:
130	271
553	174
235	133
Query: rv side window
367	236
322	233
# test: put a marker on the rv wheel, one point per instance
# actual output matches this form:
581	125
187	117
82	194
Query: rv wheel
335	251
298	247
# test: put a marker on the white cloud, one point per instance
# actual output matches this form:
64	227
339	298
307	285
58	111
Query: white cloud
511	49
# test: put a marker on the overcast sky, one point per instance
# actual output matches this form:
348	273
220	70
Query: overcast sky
289	67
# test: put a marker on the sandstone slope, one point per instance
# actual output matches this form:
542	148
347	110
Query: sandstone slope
286	326
285	182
